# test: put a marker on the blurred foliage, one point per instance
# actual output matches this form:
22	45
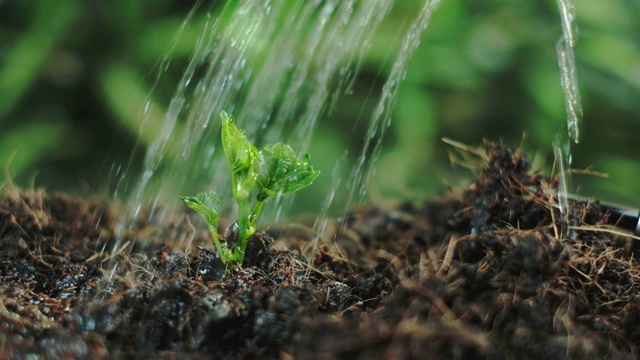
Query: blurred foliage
75	75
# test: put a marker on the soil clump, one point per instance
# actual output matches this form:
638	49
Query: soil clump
495	271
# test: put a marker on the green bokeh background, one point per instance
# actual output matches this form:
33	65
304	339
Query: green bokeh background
74	75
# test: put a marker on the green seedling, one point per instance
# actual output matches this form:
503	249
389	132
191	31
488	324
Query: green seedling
256	176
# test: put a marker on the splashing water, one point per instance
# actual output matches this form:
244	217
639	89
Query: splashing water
563	163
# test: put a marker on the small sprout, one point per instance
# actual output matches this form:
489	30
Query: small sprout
206	204
271	172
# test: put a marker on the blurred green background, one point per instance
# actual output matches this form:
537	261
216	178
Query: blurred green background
75	74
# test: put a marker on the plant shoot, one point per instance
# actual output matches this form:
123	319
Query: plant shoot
256	176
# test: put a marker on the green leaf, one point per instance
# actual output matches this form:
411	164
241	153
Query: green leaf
25	56
242	156
205	204
282	173
275	171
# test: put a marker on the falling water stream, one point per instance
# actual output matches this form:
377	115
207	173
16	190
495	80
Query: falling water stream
277	66
569	83
568	71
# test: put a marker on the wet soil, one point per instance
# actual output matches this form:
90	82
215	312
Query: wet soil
493	271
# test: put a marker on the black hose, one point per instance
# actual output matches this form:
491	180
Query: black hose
619	216
627	219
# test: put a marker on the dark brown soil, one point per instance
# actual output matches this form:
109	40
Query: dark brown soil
489	273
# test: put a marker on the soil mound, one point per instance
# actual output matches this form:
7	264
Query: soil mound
495	272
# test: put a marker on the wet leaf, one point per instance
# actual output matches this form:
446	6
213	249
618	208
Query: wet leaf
282	173
205	204
242	156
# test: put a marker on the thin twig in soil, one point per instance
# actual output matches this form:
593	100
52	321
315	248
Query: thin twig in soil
473	150
605	229
588	172
451	321
591	281
117	251
187	236
451	248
